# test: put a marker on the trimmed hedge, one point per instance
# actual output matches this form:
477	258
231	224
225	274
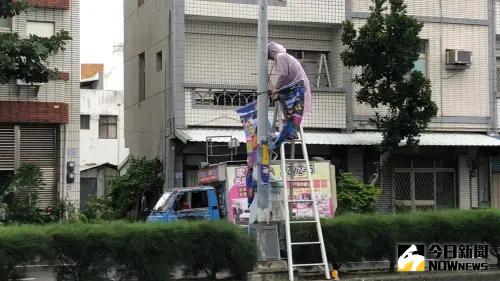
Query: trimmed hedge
353	238
153	251
138	251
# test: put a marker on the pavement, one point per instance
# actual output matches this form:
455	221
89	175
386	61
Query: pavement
45	274
487	275
39	273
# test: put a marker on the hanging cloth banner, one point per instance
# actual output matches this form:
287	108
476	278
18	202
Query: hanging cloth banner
248	116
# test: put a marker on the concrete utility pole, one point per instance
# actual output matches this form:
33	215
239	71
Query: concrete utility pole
262	104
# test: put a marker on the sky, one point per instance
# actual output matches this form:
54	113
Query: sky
101	27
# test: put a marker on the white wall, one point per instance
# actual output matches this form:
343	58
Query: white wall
94	150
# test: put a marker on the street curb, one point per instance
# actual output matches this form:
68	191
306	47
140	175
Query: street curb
492	275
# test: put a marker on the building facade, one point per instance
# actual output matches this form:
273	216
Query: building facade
190	64
101	123
102	138
42	126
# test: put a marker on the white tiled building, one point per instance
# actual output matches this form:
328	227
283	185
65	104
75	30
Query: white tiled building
44	128
190	64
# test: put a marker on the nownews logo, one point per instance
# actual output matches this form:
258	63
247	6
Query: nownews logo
411	258
442	257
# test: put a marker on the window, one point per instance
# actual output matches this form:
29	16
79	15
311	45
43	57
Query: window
108	126
159	61
192	200
142	77
316	66
84	122
5	24
40	28
224	97
498	78
421	63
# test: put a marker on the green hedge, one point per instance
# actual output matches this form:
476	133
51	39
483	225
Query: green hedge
353	238
153	251
127	251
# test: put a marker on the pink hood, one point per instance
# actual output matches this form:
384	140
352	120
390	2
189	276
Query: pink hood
288	72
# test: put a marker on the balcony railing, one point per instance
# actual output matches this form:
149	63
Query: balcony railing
222	96
215	105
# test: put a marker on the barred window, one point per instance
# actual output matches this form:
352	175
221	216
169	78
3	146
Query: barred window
316	66
224	97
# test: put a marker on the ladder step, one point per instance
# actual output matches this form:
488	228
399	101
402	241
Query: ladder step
294	222
297	141
306	243
308	264
300	201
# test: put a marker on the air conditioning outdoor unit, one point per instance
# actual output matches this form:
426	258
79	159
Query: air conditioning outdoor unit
31	89
458	59
22	82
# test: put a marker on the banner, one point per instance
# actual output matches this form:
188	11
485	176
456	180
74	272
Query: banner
237	200
320	173
248	116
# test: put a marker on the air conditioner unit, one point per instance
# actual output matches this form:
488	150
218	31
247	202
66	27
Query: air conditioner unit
458	58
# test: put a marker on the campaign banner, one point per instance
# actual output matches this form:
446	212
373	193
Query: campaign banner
320	174
256	154
237	200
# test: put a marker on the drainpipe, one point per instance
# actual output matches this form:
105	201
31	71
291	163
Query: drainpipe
347	83
492	67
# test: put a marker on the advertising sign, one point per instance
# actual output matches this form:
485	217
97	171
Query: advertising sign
237	201
320	173
208	175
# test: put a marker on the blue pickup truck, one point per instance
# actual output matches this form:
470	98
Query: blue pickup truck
197	203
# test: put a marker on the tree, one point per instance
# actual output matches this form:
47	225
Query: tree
354	196
385	49
142	180
27	58
19	198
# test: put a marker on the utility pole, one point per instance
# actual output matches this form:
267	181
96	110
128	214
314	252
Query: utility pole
262	108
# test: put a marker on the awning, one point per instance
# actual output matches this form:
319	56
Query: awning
357	138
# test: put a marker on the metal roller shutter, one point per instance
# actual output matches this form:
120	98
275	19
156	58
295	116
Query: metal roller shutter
38	146
7	146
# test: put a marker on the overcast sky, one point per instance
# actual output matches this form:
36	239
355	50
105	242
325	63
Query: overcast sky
101	27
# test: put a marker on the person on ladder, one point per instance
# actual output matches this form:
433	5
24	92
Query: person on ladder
292	89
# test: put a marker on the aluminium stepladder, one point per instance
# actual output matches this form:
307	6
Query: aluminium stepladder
288	199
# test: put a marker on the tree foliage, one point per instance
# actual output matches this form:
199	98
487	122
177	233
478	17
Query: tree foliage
9	8
386	49
128	194
354	196
20	196
25	184
27	58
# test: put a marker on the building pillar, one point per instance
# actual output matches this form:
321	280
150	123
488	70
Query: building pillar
467	183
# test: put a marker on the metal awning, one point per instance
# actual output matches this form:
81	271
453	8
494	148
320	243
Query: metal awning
357	138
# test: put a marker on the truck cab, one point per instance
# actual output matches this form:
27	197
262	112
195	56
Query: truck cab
196	203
